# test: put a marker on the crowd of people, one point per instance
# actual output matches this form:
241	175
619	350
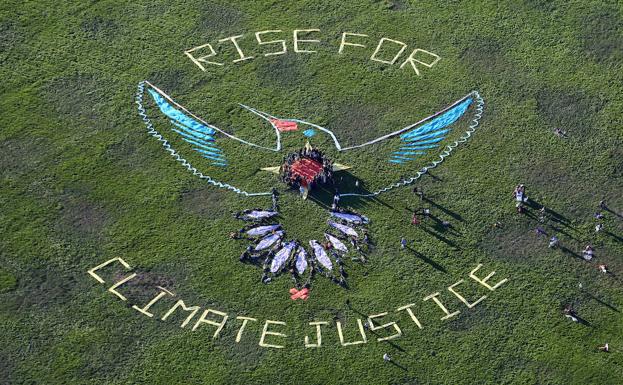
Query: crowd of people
587	253
264	257
308	152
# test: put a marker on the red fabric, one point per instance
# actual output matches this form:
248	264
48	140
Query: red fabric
284	125
307	169
296	294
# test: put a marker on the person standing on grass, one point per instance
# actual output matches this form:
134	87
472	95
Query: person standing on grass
403	243
387	357
570	313
553	242
414	219
520	193
587	253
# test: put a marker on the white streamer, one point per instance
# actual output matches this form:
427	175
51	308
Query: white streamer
472	128
174	154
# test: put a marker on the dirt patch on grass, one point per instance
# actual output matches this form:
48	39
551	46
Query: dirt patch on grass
10	35
286	71
205	201
515	241
144	286
220	18
395	5
99	28
23	155
79	97
170	81
130	152
82	217
602	33
355	122
485	55
44	288
573	111
8	281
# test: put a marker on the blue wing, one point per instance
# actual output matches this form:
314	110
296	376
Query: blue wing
418	141
200	136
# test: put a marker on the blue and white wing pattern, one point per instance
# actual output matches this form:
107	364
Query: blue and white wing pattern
191	131
197	145
418	141
410	152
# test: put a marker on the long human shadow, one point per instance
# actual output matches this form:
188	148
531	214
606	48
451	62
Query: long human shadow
555	216
444	209
582	320
344	182
560	230
616	237
424	258
439	226
439	236
398	365
568	251
433	176
602	302
608	209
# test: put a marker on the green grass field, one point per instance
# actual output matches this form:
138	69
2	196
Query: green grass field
81	182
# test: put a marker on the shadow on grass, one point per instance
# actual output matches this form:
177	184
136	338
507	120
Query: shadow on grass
602	302
323	194
583	321
616	237
570	252
440	237
424	258
566	233
365	316
608	209
444	209
552	214
398	365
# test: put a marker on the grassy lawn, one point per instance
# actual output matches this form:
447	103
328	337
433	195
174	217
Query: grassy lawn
81	182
